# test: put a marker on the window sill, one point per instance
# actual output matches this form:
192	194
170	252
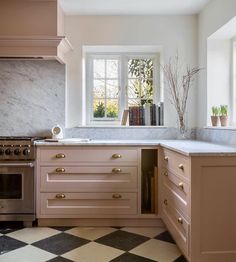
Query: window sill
221	127
123	127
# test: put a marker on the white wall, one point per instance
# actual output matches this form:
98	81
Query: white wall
216	14
218	74
171	32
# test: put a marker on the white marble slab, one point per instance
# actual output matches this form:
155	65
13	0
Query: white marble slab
186	147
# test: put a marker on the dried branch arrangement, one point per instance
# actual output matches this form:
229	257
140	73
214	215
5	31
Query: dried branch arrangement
179	82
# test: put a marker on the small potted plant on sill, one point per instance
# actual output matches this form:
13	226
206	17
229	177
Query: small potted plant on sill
223	115
215	116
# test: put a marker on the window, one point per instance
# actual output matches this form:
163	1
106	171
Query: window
117	81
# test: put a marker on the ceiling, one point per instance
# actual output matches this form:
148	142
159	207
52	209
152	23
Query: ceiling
132	7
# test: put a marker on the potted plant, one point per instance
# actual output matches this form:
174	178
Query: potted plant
223	115
215	116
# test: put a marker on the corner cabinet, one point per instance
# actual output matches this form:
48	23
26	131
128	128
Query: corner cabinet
91	185
197	204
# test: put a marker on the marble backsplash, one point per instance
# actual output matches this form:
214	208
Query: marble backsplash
219	136
121	133
32	96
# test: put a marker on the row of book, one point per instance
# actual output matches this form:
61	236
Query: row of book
147	115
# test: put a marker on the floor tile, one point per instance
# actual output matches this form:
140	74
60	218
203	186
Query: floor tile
127	257
180	259
157	250
91	233
8	244
165	236
7	227
27	254
122	240
61	243
31	235
59	259
62	228
145	231
93	252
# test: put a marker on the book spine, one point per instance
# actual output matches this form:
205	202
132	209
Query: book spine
130	116
161	114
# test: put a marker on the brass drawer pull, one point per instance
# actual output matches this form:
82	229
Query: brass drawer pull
116	156
60	170
165	173
116	170
166	158
180	220
60	196
181	185
60	156
166	202
181	166
116	196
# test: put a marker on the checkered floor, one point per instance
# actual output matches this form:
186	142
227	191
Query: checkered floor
87	244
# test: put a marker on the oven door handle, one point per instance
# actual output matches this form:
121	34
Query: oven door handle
28	164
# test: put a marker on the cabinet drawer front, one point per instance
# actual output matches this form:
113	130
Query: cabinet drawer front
175	199
177	163
96	155
177	225
178	185
94	179
88	203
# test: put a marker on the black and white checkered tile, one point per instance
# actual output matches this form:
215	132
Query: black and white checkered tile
86	244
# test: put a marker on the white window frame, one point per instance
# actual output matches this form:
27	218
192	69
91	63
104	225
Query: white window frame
123	81
233	84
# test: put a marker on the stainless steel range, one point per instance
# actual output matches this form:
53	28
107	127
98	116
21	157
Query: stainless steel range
17	198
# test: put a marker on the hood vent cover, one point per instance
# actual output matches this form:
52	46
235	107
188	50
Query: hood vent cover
34	47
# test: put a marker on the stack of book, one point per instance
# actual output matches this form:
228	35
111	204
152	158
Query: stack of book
147	115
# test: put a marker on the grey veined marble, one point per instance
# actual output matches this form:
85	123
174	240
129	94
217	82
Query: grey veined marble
32	96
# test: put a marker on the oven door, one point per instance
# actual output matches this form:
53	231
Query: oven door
16	188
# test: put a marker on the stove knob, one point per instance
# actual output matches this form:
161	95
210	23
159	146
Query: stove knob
26	152
17	152
1	152
8	151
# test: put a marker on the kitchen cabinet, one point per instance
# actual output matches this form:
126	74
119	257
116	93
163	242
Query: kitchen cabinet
197	199
84	182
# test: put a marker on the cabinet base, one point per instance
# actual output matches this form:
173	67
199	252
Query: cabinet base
96	222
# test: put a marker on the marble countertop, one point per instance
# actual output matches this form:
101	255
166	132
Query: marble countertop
186	147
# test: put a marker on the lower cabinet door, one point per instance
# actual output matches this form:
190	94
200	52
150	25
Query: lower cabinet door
66	204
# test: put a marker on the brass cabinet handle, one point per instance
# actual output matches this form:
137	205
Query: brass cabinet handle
166	158
180	220
116	170
165	173
166	202
60	196
116	196
116	156
60	156
181	185
181	166
60	170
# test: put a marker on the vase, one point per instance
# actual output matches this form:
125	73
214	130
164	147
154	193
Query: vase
223	120
214	120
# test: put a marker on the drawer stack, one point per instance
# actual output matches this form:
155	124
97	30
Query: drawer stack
175	196
87	182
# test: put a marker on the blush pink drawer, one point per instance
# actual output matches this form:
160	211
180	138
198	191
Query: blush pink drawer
170	195
88	179
177	225
87	154
177	163
63	204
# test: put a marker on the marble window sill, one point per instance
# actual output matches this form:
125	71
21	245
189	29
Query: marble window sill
221	127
